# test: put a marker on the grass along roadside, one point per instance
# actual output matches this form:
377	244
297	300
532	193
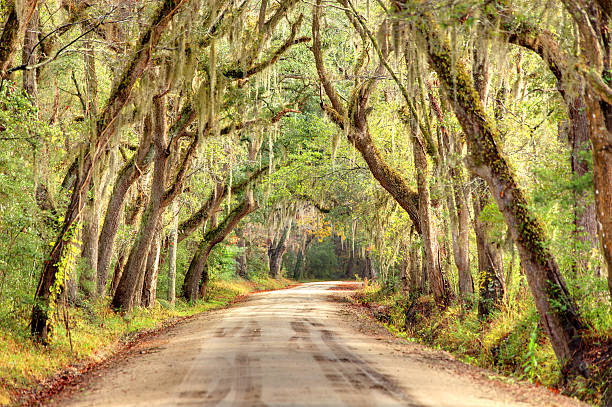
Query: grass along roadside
96	333
511	342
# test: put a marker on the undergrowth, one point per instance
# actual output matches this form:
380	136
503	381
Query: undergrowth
510	342
94	332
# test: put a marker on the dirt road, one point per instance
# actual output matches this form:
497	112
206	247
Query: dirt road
294	347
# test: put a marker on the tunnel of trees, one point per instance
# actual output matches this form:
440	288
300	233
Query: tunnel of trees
455	150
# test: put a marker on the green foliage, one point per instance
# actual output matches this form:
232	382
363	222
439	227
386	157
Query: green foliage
510	342
322	262
24	230
222	261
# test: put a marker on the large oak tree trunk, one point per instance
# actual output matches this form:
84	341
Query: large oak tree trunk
490	263
132	279
557	309
433	264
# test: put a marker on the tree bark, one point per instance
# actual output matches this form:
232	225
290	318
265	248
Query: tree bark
191	285
30	56
490	264
149	289
241	258
12	31
173	242
585	222
438	283
204	282
132	278
462	255
89	252
118	271
126	177
556	308
415	275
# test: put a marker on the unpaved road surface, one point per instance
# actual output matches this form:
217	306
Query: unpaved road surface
295	347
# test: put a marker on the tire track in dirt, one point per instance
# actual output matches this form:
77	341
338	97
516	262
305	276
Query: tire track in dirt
247	369
343	369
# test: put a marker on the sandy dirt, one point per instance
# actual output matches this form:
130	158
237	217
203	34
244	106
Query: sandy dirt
295	347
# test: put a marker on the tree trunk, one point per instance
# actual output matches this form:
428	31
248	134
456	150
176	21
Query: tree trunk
462	255
275	259
405	270
121	259
490	260
241	259
601	139
89	252
173	242
557	309
88	276
214	236
30	56
370	268
416	277
132	276
439	286
456	198
350	266
15	24
490	264
299	262
149	289
204	282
